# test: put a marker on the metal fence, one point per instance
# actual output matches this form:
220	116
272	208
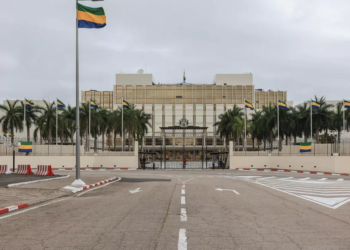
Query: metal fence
43	148
341	148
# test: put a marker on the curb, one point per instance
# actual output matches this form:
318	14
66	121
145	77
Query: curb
289	171
93	169
75	190
13	208
30	182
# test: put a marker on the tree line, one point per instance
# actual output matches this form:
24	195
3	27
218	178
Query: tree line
294	123
136	123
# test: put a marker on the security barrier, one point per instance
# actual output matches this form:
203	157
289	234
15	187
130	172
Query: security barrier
4	169
24	169
45	170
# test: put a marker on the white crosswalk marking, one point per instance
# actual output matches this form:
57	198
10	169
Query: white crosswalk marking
331	193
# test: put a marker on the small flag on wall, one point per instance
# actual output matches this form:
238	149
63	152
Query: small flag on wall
305	147
25	147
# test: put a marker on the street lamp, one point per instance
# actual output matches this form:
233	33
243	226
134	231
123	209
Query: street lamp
78	182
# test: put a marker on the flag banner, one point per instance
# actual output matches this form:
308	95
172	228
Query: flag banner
126	105
249	105
91	18
93	104
282	105
60	104
10	135
5	135
315	105
29	104
305	147
25	147
184	77
346	104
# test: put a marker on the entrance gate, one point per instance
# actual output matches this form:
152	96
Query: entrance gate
184	144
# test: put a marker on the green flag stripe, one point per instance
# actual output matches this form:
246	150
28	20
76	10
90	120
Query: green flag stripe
95	11
305	144
26	143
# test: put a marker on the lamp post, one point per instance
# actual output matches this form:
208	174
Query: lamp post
78	181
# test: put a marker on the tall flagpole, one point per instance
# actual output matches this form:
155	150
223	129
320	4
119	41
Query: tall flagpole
78	181
278	125
122	123
311	120
343	117
24	120
56	121
245	127
89	124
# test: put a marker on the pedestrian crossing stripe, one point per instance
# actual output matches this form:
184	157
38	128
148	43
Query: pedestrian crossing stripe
326	192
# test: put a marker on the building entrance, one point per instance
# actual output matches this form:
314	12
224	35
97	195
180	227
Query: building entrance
184	147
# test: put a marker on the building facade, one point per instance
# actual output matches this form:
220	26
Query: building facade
199	104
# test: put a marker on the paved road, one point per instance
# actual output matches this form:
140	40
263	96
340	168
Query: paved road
191	210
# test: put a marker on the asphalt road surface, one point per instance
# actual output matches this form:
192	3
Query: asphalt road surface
191	210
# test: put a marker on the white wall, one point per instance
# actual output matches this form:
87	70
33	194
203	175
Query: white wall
134	79
234	79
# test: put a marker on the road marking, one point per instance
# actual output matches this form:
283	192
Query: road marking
183	186
98	187
232	190
331	193
303	179
183	216
135	191
32	208
286	178
182	243
340	179
183	191
183	200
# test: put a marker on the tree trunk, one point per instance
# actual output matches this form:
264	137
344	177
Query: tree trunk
49	134
95	143
253	143
317	133
12	136
28	133
271	139
129	140
295	140
103	141
123	143
305	137
87	142
115	140
71	136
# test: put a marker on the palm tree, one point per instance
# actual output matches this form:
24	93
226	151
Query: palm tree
142	125
84	122
48	118
227	121
68	115
303	111
238	128
31	117
12	119
337	119
105	124
321	118
116	121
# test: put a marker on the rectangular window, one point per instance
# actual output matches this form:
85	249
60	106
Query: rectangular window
178	97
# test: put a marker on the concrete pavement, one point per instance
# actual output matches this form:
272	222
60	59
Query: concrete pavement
184	210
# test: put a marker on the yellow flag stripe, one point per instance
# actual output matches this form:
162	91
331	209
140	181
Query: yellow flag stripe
91	17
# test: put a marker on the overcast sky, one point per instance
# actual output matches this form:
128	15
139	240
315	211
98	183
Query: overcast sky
301	46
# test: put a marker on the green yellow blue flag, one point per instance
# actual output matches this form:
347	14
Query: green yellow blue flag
346	104
305	147
248	105
315	105
91	18
282	105
93	104
25	147
126	105
60	104
29	104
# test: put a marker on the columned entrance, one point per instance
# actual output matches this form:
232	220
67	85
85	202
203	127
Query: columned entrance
184	147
